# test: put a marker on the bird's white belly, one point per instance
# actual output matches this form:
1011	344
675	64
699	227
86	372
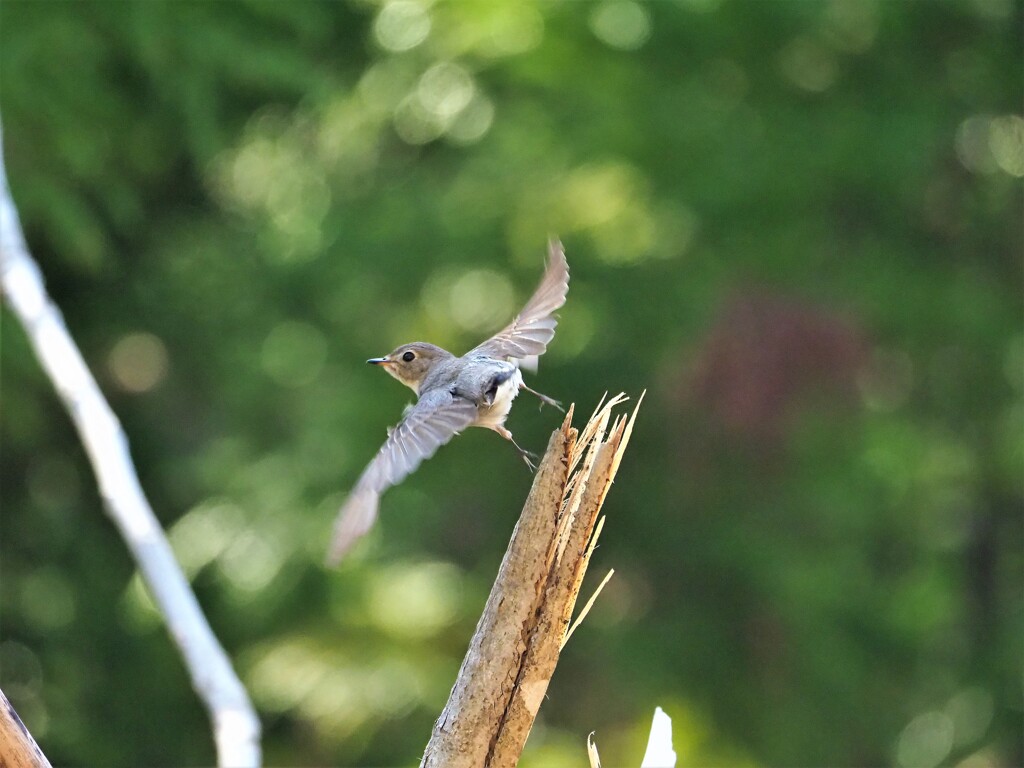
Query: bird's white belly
497	412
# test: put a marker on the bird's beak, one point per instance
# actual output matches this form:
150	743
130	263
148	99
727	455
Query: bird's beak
378	361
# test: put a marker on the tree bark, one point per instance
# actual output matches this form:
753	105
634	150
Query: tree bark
517	642
17	747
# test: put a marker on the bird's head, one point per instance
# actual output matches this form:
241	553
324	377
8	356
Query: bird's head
411	363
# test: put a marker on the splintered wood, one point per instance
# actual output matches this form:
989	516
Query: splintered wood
526	620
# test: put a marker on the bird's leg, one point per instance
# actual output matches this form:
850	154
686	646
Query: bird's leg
544	399
527	456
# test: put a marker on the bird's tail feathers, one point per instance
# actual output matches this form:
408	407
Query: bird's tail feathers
529	363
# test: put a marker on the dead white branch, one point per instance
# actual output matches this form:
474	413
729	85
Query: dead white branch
235	724
515	648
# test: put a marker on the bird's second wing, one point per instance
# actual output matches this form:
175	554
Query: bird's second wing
532	329
435	418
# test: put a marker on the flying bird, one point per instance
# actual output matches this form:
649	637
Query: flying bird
475	390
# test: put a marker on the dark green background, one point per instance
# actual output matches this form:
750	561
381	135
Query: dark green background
797	225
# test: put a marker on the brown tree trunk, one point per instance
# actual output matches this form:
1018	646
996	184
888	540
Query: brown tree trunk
515	648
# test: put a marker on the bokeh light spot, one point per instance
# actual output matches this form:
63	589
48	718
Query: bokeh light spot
515	28
677	227
347	138
611	200
477	300
415	124
851	25
401	25
276	179
575	335
808	65
972	144
415	600
595	194
138	362
287	673
445	89
203	533
23	673
294	353
481	299
385	84
621	24
250	172
250	563
1006	142
473	122
138	613
926	741
971	711
47	600
983	758
993	10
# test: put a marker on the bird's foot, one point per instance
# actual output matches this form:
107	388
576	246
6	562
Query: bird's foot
544	399
530	459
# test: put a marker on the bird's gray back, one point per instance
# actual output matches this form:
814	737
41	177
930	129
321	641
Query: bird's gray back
469	376
478	374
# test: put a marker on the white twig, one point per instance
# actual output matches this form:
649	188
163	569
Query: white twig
235	724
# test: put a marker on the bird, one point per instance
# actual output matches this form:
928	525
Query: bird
474	390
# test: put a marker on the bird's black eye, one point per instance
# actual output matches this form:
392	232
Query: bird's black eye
409	357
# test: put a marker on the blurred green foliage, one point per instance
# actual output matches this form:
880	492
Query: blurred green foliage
798	225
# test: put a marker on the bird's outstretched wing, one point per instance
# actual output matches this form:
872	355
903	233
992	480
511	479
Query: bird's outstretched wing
435	418
532	329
